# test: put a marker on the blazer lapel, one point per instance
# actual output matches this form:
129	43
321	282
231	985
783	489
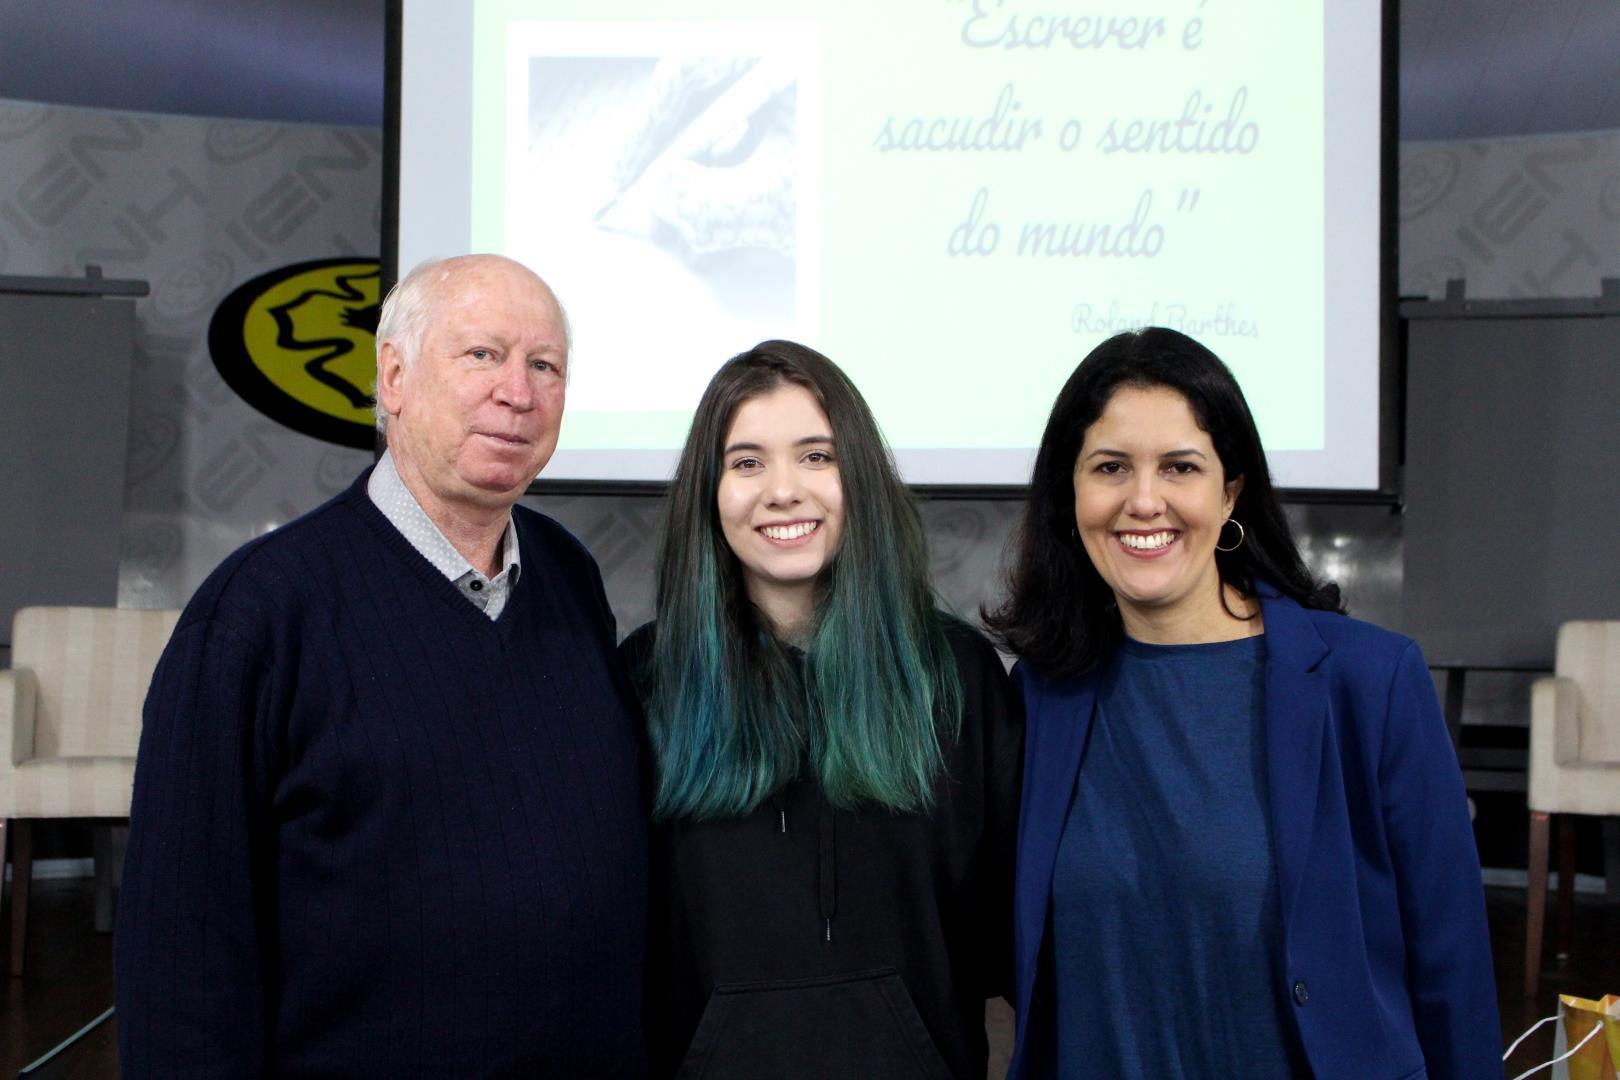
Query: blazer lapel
1053	746
1296	722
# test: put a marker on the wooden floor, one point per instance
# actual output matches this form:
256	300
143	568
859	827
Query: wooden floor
69	978
67	982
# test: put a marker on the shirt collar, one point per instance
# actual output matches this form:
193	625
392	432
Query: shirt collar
388	491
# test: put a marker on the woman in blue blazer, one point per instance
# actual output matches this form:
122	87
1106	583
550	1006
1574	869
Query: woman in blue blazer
1244	846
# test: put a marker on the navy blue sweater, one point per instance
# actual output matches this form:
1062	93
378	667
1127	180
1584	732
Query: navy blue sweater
376	833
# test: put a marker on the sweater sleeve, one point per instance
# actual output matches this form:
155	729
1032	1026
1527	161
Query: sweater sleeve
188	960
1437	877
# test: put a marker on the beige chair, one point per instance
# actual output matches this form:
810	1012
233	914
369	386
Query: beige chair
70	721
1574	766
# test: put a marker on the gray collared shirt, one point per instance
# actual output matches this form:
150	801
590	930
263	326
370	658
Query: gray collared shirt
402	510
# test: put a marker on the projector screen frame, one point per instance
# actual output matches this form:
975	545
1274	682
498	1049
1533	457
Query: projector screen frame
1391	329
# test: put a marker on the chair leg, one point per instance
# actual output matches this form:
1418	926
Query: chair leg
1540	826
22	876
102	845
1566	882
5	913
1611	860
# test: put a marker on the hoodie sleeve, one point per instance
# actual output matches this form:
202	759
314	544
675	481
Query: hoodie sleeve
991	696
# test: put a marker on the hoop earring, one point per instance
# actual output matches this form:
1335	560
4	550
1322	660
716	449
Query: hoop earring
1241	535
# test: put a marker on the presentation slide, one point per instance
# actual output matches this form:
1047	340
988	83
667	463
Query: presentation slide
955	200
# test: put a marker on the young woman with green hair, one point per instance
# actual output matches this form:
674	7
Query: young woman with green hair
836	763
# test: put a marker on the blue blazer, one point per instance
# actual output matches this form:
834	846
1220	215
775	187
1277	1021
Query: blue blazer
1386	951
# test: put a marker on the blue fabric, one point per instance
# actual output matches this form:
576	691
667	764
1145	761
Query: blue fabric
1167	942
1386	952
377	833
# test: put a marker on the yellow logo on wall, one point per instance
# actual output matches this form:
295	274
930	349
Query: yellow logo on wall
299	345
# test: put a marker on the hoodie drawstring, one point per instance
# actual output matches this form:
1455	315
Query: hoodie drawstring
826	855
827	850
779	804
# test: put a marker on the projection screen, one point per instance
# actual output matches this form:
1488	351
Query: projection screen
954	199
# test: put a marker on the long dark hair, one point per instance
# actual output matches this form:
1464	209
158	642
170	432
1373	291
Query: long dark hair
1059	613
730	715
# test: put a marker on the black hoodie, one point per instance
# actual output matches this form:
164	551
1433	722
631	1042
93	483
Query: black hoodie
803	941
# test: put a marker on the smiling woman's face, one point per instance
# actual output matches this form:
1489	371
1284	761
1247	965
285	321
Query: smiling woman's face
1150	497
780	499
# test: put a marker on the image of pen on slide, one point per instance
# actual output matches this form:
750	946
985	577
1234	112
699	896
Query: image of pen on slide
711	167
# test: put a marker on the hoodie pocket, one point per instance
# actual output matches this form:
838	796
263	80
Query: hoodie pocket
860	1024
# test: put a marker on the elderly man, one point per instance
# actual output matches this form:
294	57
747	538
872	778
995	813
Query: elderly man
388	817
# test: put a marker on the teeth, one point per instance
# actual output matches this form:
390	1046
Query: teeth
1149	542
790	532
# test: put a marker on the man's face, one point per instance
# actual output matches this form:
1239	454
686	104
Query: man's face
476	416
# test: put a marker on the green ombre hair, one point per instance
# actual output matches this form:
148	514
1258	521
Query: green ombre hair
733	716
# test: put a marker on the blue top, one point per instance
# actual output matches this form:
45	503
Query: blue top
1167	937
1383	918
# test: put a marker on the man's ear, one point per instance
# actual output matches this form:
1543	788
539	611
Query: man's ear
390	378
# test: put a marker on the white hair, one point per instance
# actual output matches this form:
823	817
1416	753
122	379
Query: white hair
404	320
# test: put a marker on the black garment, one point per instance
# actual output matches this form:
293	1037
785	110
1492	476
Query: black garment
375	832
801	941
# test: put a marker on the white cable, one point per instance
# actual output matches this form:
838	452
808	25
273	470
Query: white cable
1595	1029
1533	1029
